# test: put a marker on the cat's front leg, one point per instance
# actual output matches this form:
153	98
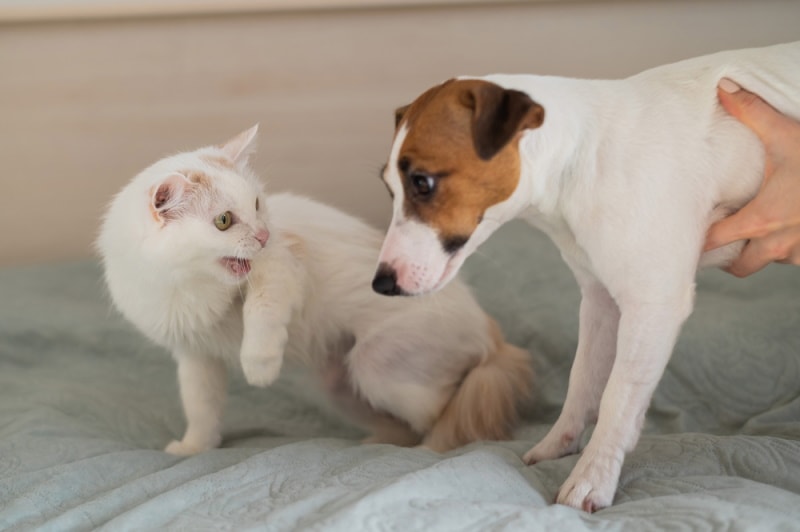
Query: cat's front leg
203	383
262	351
275	291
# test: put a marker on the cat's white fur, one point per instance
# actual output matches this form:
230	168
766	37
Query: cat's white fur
291	277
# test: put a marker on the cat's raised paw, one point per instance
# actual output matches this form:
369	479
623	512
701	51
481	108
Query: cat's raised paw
261	371
262	355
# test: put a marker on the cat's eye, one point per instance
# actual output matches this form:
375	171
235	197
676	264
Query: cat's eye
256	203
223	221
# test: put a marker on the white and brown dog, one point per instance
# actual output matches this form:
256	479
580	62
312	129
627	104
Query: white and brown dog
624	175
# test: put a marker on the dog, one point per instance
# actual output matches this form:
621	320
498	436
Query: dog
624	175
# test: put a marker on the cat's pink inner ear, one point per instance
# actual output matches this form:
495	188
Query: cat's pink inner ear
239	148
169	194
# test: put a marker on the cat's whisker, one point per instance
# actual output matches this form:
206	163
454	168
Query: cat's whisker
241	293
248	281
240	254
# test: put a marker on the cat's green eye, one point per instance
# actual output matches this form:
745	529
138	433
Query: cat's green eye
224	220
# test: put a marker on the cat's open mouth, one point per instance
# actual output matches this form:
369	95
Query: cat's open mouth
236	266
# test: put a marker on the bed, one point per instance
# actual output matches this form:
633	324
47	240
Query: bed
86	404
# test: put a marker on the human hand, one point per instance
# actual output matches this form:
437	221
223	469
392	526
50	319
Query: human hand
771	220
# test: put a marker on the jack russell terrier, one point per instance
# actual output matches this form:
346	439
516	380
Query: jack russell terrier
625	176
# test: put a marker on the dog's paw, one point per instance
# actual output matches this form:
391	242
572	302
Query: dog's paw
189	448
592	483
556	444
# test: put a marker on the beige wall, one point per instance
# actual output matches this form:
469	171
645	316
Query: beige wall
85	105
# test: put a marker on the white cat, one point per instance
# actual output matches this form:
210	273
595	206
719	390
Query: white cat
204	264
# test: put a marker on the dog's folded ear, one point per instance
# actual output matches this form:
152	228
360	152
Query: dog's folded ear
498	114
399	113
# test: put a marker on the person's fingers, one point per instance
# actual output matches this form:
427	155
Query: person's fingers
739	226
788	246
781	246
752	259
749	109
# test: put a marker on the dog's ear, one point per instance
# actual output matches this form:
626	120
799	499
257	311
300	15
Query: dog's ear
497	115
399	113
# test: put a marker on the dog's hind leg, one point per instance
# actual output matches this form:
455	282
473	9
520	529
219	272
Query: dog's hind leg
647	333
597	335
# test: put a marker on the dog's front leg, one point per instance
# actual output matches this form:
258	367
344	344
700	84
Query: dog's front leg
597	338
647	333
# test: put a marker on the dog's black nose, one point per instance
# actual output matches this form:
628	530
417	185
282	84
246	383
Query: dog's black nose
385	281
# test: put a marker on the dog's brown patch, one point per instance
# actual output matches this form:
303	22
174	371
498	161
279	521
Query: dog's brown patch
465	134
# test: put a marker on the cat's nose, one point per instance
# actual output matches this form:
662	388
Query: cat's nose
262	236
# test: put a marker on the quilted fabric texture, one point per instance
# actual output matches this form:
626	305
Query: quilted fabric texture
86	404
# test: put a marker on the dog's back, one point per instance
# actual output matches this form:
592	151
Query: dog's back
674	147
773	72
713	145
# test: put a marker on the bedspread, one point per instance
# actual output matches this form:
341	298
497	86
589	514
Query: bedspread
86	404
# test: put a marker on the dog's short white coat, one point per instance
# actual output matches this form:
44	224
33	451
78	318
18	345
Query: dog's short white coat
625	176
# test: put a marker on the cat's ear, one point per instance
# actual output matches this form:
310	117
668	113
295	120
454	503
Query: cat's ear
169	196
239	148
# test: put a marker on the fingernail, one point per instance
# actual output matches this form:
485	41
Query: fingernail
728	85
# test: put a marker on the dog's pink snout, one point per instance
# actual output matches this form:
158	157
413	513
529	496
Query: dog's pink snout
262	236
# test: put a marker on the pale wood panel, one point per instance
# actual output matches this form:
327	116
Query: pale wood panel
84	106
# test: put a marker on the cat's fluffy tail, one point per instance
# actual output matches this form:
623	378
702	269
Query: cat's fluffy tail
486	404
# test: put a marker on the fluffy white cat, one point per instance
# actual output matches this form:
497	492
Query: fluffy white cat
206	265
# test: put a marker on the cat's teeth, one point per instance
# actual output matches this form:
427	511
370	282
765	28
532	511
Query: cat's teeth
237	266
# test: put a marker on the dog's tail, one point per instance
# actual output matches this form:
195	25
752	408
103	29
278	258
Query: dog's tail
485	406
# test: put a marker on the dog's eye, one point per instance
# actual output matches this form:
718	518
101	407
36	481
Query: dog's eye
423	184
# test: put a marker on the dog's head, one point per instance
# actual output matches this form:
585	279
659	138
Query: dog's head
454	162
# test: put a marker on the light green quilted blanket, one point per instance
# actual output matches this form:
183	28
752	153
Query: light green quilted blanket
86	403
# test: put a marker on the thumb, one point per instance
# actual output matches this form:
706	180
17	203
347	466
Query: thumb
748	108
735	227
